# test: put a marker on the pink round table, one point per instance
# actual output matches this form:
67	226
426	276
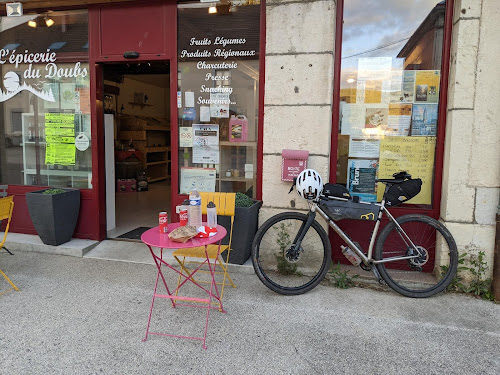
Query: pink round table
153	238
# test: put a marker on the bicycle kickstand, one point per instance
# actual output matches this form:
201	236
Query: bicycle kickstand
377	275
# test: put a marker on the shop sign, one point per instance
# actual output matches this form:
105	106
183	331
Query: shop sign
12	80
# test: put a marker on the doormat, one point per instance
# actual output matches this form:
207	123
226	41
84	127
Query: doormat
134	234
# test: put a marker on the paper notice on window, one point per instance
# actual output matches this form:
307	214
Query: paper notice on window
424	120
412	154
67	96
185	136
206	144
60	139
373	91
376	118
374	68
219	105
427	86
54	87
189	99
201	179
399	120
204	113
352	119
361	175
364	147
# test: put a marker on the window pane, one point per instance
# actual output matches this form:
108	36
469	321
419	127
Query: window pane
45	101
389	93
218	86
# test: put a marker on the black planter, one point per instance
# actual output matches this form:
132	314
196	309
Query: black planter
54	216
244	229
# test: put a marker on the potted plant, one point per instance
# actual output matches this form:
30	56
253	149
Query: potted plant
245	226
54	213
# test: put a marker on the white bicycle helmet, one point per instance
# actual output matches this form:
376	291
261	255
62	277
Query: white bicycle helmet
309	184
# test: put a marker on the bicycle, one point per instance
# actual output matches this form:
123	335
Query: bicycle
414	254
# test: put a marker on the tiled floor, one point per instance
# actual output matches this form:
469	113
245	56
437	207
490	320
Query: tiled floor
140	209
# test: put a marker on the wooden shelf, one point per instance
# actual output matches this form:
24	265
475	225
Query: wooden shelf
158	179
237	144
157	149
159	162
235	179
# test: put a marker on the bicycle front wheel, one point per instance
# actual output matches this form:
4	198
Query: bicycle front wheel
437	257
283	267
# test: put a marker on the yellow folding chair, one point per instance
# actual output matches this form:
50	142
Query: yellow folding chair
6	209
224	202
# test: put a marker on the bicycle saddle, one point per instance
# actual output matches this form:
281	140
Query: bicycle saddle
398	178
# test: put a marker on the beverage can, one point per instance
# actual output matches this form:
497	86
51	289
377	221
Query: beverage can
163	222
183	217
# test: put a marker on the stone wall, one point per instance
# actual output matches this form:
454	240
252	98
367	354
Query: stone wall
471	173
300	39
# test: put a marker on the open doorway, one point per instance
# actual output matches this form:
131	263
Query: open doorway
137	146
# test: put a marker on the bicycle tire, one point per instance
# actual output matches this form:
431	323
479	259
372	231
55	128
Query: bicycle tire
279	273
426	275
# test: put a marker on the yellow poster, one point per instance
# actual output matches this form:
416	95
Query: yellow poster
60	139
412	154
427	86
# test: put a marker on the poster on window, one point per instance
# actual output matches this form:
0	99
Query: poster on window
376	118
424	120
54	86
185	136
412	154
219	105
427	86
399	120
60	146
206	144
361	175
352	118
374	68
363	147
402	86
201	179
67	95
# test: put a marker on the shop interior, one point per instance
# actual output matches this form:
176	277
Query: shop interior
137	146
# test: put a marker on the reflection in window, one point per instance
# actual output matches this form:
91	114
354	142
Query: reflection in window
45	100
389	93
218	84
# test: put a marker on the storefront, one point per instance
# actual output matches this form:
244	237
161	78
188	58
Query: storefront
90	102
175	90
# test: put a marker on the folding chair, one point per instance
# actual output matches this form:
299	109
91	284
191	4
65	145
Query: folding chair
224	202
6	208
3	193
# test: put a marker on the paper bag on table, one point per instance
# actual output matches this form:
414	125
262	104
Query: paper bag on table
183	234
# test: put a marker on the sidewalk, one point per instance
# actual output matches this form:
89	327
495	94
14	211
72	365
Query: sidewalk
88	316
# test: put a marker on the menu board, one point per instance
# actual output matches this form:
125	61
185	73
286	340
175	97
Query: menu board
60	139
412	154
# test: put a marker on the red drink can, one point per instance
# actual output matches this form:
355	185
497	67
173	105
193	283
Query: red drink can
183	217
163	221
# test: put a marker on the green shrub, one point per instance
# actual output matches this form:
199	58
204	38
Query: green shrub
243	200
53	191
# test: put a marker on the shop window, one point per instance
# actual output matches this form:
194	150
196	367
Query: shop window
45	100
218	61
389	94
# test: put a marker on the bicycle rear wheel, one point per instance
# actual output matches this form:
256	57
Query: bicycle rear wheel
280	265
432	271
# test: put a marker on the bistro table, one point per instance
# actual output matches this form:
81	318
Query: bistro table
153	238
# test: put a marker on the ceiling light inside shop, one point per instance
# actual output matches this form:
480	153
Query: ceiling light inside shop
49	21
212	10
32	23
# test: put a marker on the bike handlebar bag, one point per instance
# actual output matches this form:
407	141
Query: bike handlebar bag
339	209
335	190
402	192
